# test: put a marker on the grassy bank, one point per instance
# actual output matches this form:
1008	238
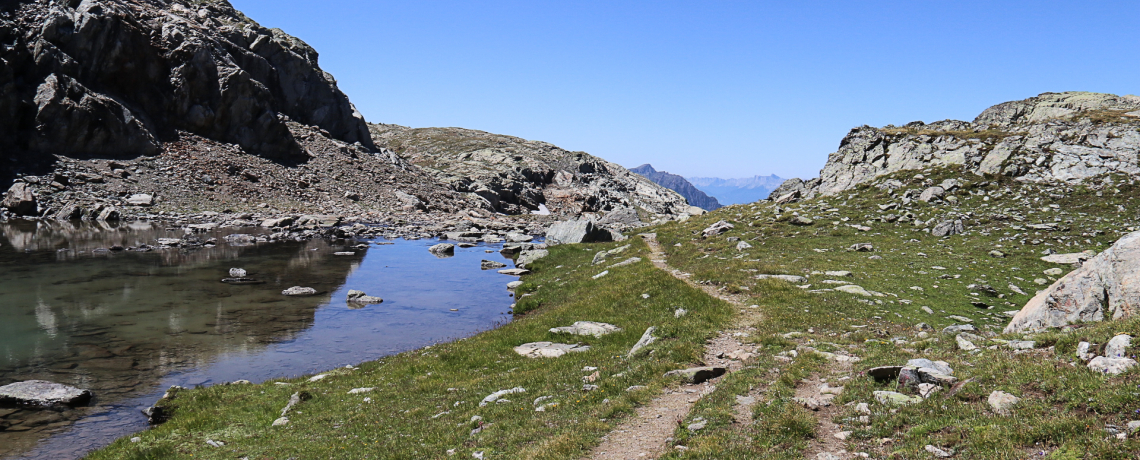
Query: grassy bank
1066	410
422	403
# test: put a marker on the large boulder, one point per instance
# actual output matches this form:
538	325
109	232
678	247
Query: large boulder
577	231
20	200
1105	287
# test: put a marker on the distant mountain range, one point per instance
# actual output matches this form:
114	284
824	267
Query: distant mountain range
678	184
737	191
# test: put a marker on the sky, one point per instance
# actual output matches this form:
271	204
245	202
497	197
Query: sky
712	88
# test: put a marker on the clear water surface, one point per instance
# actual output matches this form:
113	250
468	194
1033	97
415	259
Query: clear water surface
128	324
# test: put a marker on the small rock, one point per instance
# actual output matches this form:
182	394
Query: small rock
698	424
237	273
490	265
299	291
800	220
493	397
593	328
743	245
939	453
862	247
1083	351
548	349
281	421
442	250
893	398
514	271
1001	402
359	297
1111	366
647	338
1118	346
680	312
717	228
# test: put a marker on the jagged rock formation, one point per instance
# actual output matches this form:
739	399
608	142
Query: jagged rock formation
1051	138
1105	287
190	103
737	191
678	184
515	176
118	77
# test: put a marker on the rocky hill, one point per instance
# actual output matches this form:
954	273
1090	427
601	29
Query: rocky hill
517	176
118	107
1052	138
678	184
737	191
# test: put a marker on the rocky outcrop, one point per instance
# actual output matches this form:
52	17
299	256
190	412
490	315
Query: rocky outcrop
117	78
1051	138
517	176
1105	287
678	184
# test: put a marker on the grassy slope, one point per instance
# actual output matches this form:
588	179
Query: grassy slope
412	388
1063	413
1065	407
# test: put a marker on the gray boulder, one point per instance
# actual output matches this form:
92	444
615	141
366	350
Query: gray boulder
20	200
490	265
717	228
577	231
931	194
948	227
1105	287
593	328
42	394
528	257
443	250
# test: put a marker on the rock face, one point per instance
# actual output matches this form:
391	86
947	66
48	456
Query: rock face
112	77
1105	287
518	176
42	393
678	184
1051	138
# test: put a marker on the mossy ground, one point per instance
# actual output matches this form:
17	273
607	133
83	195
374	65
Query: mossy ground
1064	411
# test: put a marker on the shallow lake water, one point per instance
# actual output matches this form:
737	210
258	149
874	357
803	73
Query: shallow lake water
129	324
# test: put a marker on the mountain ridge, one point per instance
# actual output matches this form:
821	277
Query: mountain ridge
695	196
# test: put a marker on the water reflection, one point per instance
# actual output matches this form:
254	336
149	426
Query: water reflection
127	324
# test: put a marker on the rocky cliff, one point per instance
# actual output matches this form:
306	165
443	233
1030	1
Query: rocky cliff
120	77
678	184
1052	138
518	176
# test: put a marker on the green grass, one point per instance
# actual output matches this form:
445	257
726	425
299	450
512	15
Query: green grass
1065	407
412	388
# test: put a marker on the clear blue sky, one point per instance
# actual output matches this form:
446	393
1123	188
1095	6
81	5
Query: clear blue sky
709	88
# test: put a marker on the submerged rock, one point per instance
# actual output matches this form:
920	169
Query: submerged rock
359	297
42	393
299	291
